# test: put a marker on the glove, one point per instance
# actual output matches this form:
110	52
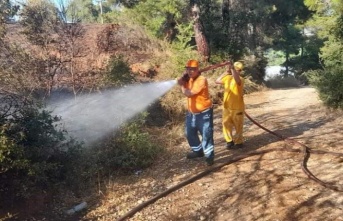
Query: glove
184	79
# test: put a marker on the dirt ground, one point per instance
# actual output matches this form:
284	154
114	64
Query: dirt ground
268	186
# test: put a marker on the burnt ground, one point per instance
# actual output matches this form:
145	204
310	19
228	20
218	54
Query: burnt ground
266	186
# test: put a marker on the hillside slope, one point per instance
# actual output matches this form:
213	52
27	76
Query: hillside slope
87	54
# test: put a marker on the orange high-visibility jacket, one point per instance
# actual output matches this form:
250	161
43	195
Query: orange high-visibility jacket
200	101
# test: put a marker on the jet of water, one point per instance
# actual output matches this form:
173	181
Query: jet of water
90	117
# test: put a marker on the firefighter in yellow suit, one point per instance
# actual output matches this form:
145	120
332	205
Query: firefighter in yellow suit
233	105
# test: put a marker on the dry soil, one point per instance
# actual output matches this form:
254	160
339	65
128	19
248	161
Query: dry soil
268	186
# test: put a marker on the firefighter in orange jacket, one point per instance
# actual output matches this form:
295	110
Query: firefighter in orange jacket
199	117
233	105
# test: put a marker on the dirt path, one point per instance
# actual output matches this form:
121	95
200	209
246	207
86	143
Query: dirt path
269	186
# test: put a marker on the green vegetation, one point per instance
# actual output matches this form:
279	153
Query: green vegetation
130	149
329	81
329	85
303	36
33	153
118	72
275	58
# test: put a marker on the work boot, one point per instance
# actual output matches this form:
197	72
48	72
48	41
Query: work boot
195	154
210	161
230	145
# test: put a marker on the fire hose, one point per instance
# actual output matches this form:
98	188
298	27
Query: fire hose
214	66
305	150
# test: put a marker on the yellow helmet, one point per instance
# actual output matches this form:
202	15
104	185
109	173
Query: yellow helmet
192	64
238	66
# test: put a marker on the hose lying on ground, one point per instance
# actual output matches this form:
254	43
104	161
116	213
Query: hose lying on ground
304	149
306	155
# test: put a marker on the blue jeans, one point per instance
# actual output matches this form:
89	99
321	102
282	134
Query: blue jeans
200	123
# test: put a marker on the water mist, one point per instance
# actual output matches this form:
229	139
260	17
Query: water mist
89	117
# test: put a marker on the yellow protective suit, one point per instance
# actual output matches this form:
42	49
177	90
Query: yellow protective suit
233	109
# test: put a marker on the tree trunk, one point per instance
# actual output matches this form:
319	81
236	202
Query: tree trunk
200	38
226	15
286	65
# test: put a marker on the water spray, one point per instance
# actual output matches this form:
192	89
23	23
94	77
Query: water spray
90	117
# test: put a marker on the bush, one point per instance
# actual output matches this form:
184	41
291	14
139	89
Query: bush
329	84
118	72
129	149
33	154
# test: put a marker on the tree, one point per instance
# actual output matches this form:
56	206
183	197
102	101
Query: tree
327	24
200	38
41	23
82	11
3	16
59	48
288	37
125	3
7	11
159	18
62	10
71	50
290	43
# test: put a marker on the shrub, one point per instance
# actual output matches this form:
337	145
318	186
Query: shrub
33	154
329	84
118	72
129	149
